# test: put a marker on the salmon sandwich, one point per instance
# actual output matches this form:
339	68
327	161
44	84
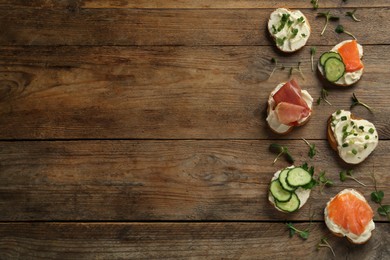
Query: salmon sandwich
342	65
348	214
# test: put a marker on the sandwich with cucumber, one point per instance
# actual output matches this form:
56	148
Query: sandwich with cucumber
342	65
290	188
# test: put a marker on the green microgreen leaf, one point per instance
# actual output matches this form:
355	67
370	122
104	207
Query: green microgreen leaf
328	17
377	197
356	102
344	175
313	51
282	151
315	4
352	15
324	97
340	29
304	234
312	148
324	243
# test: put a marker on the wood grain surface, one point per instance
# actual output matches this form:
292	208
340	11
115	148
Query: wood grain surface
164	180
131	27
136	129
167	92
179	240
188	4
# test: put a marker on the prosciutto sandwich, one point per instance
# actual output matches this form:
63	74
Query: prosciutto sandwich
288	106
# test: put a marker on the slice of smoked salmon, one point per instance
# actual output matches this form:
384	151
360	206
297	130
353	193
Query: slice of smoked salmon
349	52
350	212
290	93
290	114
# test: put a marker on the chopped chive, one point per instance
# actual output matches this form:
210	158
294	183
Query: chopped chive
367	137
345	128
338	112
354	151
343	118
365	146
371	130
361	127
345	144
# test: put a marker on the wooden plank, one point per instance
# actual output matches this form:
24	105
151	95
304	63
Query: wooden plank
167	92
179	240
186	4
164	180
228	4
191	27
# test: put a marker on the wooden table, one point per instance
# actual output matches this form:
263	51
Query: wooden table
137	130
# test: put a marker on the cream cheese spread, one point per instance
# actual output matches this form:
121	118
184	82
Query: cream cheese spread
290	29
359	239
356	138
348	78
272	117
303	194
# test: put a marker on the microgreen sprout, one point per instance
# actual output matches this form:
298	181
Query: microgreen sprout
315	4
281	150
324	243
356	101
304	234
324	97
377	197
312	148
352	15
340	29
344	175
298	68
275	62
312	53
328	17
323	180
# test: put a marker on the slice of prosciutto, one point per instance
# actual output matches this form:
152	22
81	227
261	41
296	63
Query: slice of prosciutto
290	114
290	107
291	93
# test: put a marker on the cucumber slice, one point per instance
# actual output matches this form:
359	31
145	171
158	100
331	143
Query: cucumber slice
278	192
291	205
283	182
334	69
325	56
297	177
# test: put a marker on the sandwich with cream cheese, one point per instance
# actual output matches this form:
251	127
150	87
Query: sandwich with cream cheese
290	188
288	106
353	138
348	214
289	28
342	65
